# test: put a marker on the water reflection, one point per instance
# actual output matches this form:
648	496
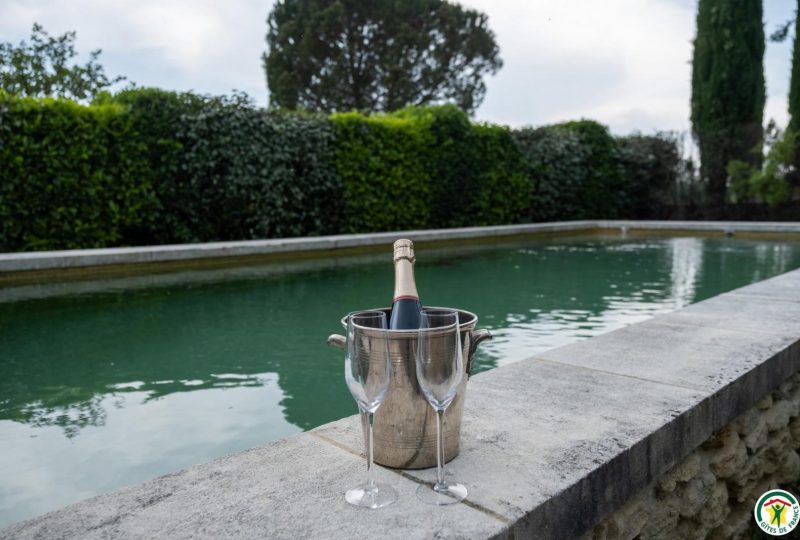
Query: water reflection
687	265
579	289
140	437
110	382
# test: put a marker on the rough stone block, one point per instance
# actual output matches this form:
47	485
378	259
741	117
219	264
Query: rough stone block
794	395
682	472
777	416
627	522
778	445
789	471
764	403
719	438
785	390
661	523
753	429
731	456
689	529
717	506
694	495
747	477
794	429
722	532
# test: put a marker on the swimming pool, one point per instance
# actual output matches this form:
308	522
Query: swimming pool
110	382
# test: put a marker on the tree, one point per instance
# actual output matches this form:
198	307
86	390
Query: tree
794	95
41	68
780	35
771	183
377	55
728	89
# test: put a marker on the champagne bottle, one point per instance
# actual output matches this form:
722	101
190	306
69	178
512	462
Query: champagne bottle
406	308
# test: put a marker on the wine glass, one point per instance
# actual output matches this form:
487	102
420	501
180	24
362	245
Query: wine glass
440	366
368	370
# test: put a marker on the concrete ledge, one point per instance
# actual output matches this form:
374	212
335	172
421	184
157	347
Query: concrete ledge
84	258
15	262
550	445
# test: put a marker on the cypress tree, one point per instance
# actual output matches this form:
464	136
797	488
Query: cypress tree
794	83
728	91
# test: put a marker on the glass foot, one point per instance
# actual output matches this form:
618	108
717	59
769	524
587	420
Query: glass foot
442	495
376	496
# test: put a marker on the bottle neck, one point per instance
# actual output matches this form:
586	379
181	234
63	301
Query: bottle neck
404	285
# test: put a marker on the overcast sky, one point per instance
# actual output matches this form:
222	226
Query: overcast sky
622	62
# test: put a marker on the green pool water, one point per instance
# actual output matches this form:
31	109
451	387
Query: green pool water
108	383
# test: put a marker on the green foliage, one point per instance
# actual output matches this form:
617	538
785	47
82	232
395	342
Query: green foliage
794	92
225	170
255	174
477	174
147	166
579	171
377	55
450	159
381	162
501	189
769	184
602	191
159	117
651	165
70	176
728	91
435	169
556	162
42	68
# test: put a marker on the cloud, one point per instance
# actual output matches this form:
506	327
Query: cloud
208	46
616	61
625	63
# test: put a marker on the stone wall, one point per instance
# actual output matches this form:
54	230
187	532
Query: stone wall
712	492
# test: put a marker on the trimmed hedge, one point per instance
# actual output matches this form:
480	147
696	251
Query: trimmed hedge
477	172
579	171
556	162
651	165
436	169
602	193
381	160
226	170
70	176
158	117
147	166
501	189
248	173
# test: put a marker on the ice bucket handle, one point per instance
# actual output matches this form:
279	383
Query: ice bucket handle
478	336
337	340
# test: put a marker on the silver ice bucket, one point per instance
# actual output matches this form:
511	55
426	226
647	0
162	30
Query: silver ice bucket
405	424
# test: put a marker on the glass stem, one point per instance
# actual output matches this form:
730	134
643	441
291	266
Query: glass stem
367	419
440	484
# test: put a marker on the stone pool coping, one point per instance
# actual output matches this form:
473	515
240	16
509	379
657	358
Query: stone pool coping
32	262
550	445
